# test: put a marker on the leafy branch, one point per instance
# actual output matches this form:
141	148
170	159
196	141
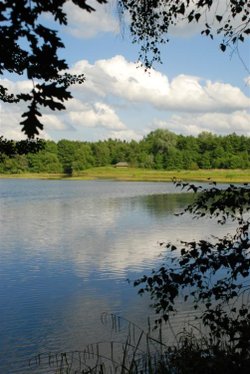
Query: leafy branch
211	274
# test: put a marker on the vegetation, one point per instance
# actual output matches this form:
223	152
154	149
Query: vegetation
146	351
212	273
213	276
30	47
151	20
159	150
144	175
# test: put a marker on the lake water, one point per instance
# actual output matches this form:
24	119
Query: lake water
67	250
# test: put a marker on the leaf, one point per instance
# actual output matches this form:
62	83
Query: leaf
223	47
182	9
31	124
219	18
197	16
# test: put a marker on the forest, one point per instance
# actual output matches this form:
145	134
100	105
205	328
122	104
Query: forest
160	149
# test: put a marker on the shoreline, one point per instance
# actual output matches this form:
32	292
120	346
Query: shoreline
143	175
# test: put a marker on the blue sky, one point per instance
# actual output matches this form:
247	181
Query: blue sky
197	88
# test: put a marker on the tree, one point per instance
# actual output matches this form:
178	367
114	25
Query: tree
212	274
27	46
151	20
11	148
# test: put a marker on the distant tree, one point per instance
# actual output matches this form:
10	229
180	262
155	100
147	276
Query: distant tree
174	159
101	153
43	161
83	157
160	141
66	154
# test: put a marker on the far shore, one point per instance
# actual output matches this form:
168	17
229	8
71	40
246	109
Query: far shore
145	175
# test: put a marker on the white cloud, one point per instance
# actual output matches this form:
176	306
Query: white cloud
16	87
127	134
97	115
220	123
120	100
82	24
10	117
120	78
53	122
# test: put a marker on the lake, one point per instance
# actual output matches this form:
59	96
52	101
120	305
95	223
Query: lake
67	250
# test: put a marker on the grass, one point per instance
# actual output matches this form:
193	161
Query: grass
27	175
144	352
145	175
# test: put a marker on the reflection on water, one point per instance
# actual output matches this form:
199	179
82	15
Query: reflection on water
67	248
164	204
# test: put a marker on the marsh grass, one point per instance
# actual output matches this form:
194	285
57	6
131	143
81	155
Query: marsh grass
144	352
150	175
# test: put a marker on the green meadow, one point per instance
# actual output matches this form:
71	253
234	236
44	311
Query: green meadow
145	175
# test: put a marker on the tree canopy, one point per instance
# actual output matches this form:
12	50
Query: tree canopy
151	21
160	149
29	47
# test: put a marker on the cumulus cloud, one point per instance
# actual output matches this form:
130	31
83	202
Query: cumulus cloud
17	86
127	134
78	114
120	100
10	117
106	19
97	115
119	77
220	123
53	122
82	24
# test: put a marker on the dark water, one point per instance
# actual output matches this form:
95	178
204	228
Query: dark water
67	249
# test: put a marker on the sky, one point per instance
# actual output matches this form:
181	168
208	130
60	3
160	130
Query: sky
196	88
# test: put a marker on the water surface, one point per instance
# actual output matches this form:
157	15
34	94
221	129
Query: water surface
67	250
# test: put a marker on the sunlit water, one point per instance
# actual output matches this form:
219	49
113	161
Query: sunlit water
67	250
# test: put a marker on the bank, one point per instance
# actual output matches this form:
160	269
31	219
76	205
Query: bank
139	174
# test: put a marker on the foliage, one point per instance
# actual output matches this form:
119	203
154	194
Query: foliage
212	275
151	20
12	148
144	351
27	45
160	149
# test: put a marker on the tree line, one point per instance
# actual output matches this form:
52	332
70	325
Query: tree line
160	149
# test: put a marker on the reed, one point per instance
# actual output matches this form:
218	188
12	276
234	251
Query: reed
144	352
